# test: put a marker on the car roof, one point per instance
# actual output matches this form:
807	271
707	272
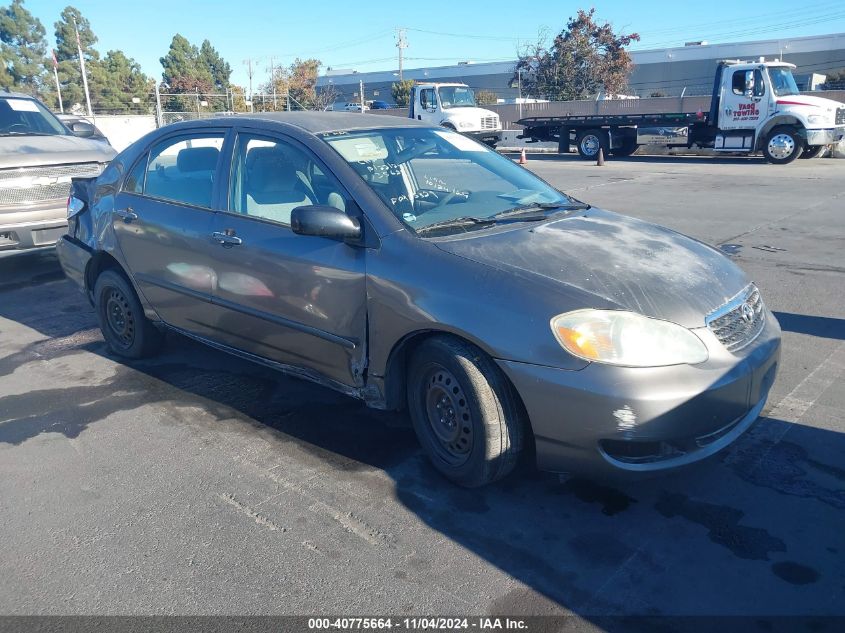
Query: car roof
319	122
15	95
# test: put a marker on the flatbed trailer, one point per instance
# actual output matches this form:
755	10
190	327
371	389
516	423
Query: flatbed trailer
755	107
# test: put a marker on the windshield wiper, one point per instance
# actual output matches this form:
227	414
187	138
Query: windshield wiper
530	210
456	223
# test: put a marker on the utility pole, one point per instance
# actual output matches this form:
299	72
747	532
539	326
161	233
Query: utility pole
56	76
273	80
248	63
401	44
82	68
197	88
159	115
361	93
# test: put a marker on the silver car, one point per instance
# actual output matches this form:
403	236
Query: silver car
413	268
38	157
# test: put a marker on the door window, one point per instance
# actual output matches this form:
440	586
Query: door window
427	98
743	80
270	178
182	169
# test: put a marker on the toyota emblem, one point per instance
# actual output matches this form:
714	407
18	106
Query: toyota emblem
747	312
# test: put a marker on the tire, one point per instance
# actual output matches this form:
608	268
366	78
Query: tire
589	142
482	435
813	151
127	332
783	145
628	147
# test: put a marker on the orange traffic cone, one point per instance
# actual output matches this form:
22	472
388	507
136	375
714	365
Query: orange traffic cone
522	159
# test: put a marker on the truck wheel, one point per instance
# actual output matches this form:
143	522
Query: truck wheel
783	145
813	151
127	331
590	141
629	146
465	413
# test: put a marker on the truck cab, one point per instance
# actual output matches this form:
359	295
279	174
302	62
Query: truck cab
758	107
453	105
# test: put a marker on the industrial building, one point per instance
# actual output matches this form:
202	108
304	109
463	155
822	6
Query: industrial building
667	71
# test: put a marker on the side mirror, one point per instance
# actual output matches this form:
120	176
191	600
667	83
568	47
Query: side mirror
324	221
82	129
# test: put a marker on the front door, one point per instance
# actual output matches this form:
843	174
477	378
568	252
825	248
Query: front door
743	104
163	223
298	300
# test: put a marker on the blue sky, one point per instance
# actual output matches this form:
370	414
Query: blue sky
361	35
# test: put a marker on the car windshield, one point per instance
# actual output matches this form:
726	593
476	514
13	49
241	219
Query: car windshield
428	176
783	83
26	117
456	97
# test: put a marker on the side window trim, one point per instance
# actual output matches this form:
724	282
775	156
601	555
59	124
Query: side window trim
143	158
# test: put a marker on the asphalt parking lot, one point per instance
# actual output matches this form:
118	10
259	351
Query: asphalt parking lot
196	483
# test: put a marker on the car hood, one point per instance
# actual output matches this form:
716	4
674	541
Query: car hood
628	263
29	151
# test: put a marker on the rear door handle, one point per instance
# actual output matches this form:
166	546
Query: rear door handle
226	239
127	214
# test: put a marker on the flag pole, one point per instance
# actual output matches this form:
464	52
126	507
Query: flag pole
82	67
56	76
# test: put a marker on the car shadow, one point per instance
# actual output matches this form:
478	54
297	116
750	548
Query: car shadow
756	531
641	158
821	326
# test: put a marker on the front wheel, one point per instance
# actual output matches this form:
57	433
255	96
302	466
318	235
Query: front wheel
783	145
813	151
127	331
465	413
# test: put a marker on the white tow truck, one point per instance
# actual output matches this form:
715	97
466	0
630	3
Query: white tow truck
453	105
755	107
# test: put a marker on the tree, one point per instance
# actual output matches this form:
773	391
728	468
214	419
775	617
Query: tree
67	54
116	80
297	81
486	97
218	67
23	48
401	92
584	59
188	69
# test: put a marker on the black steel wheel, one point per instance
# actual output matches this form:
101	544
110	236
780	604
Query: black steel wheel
125	328
465	413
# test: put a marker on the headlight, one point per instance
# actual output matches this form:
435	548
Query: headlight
816	118
626	338
465	124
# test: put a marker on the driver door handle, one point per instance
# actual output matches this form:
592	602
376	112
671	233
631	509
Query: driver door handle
227	238
127	214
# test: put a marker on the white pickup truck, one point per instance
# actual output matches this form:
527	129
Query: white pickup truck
452	105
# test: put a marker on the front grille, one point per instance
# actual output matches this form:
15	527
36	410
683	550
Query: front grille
36	184
740	320
840	116
489	122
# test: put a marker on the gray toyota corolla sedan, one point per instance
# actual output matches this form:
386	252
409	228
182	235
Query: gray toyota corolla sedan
412	267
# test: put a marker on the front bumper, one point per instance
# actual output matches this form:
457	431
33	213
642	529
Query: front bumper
32	225
826	136
488	137
606	420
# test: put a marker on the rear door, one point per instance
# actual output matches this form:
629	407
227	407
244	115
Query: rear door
163	221
297	300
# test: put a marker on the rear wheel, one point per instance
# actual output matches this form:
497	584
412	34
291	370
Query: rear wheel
628	147
465	413
589	142
127	331
813	151
783	145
